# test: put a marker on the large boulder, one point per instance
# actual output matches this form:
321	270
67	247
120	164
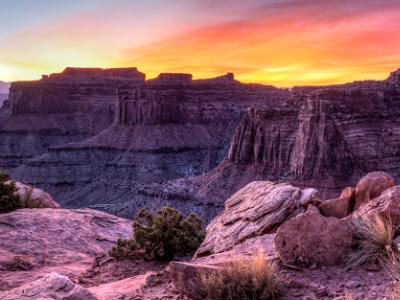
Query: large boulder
258	208
371	186
311	238
339	207
39	241
53	286
386	205
34	197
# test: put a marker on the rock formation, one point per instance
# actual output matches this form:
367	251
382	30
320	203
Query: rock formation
160	131
35	198
38	241
336	135
258	208
312	248
59	109
52	286
115	141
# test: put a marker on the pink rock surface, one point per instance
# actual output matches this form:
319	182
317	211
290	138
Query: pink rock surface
35	242
52	286
258	208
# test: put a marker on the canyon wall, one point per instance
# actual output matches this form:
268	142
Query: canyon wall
118	142
338	134
58	109
171	127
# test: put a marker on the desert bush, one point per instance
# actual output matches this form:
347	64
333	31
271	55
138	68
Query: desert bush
9	199
373	237
244	280
161	236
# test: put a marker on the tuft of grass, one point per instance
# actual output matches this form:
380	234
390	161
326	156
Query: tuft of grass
373	242
244	280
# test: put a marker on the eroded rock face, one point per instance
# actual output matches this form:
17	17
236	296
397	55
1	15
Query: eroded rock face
336	135
160	132
256	209
58	109
37	241
386	205
311	238
52	286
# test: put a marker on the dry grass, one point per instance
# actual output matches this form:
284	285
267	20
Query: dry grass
244	280
373	241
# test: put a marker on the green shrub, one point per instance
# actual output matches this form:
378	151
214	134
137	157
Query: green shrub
161	236
9	199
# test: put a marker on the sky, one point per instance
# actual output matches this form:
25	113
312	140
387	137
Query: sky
279	42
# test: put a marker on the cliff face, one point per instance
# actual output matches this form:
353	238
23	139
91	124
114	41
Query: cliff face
192	143
338	134
58	109
162	130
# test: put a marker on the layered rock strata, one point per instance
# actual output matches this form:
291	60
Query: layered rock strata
59	109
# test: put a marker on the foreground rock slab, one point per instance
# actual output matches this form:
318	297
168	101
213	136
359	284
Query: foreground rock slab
256	209
35	242
311	238
52	286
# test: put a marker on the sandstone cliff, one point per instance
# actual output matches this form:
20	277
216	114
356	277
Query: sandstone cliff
58	109
118	142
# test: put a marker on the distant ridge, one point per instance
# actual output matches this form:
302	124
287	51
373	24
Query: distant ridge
4	87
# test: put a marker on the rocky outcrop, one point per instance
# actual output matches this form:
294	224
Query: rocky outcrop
386	205
257	209
371	186
311	238
35	242
52	286
35	198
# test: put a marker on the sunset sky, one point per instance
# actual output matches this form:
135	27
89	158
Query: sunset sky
280	42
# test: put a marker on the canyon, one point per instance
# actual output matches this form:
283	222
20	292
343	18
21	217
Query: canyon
112	140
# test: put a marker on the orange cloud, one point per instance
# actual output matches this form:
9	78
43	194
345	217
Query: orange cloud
285	43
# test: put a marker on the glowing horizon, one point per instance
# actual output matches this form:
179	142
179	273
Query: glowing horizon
283	43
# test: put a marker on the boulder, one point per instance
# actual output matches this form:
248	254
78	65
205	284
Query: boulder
311	238
258	208
186	278
34	197
387	205
339	207
52	286
371	186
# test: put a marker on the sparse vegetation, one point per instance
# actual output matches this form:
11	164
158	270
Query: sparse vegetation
161	236
373	243
244	280
9	199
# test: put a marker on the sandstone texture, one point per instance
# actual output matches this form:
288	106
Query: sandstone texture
311	238
35	242
372	186
258	208
52	286
386	205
